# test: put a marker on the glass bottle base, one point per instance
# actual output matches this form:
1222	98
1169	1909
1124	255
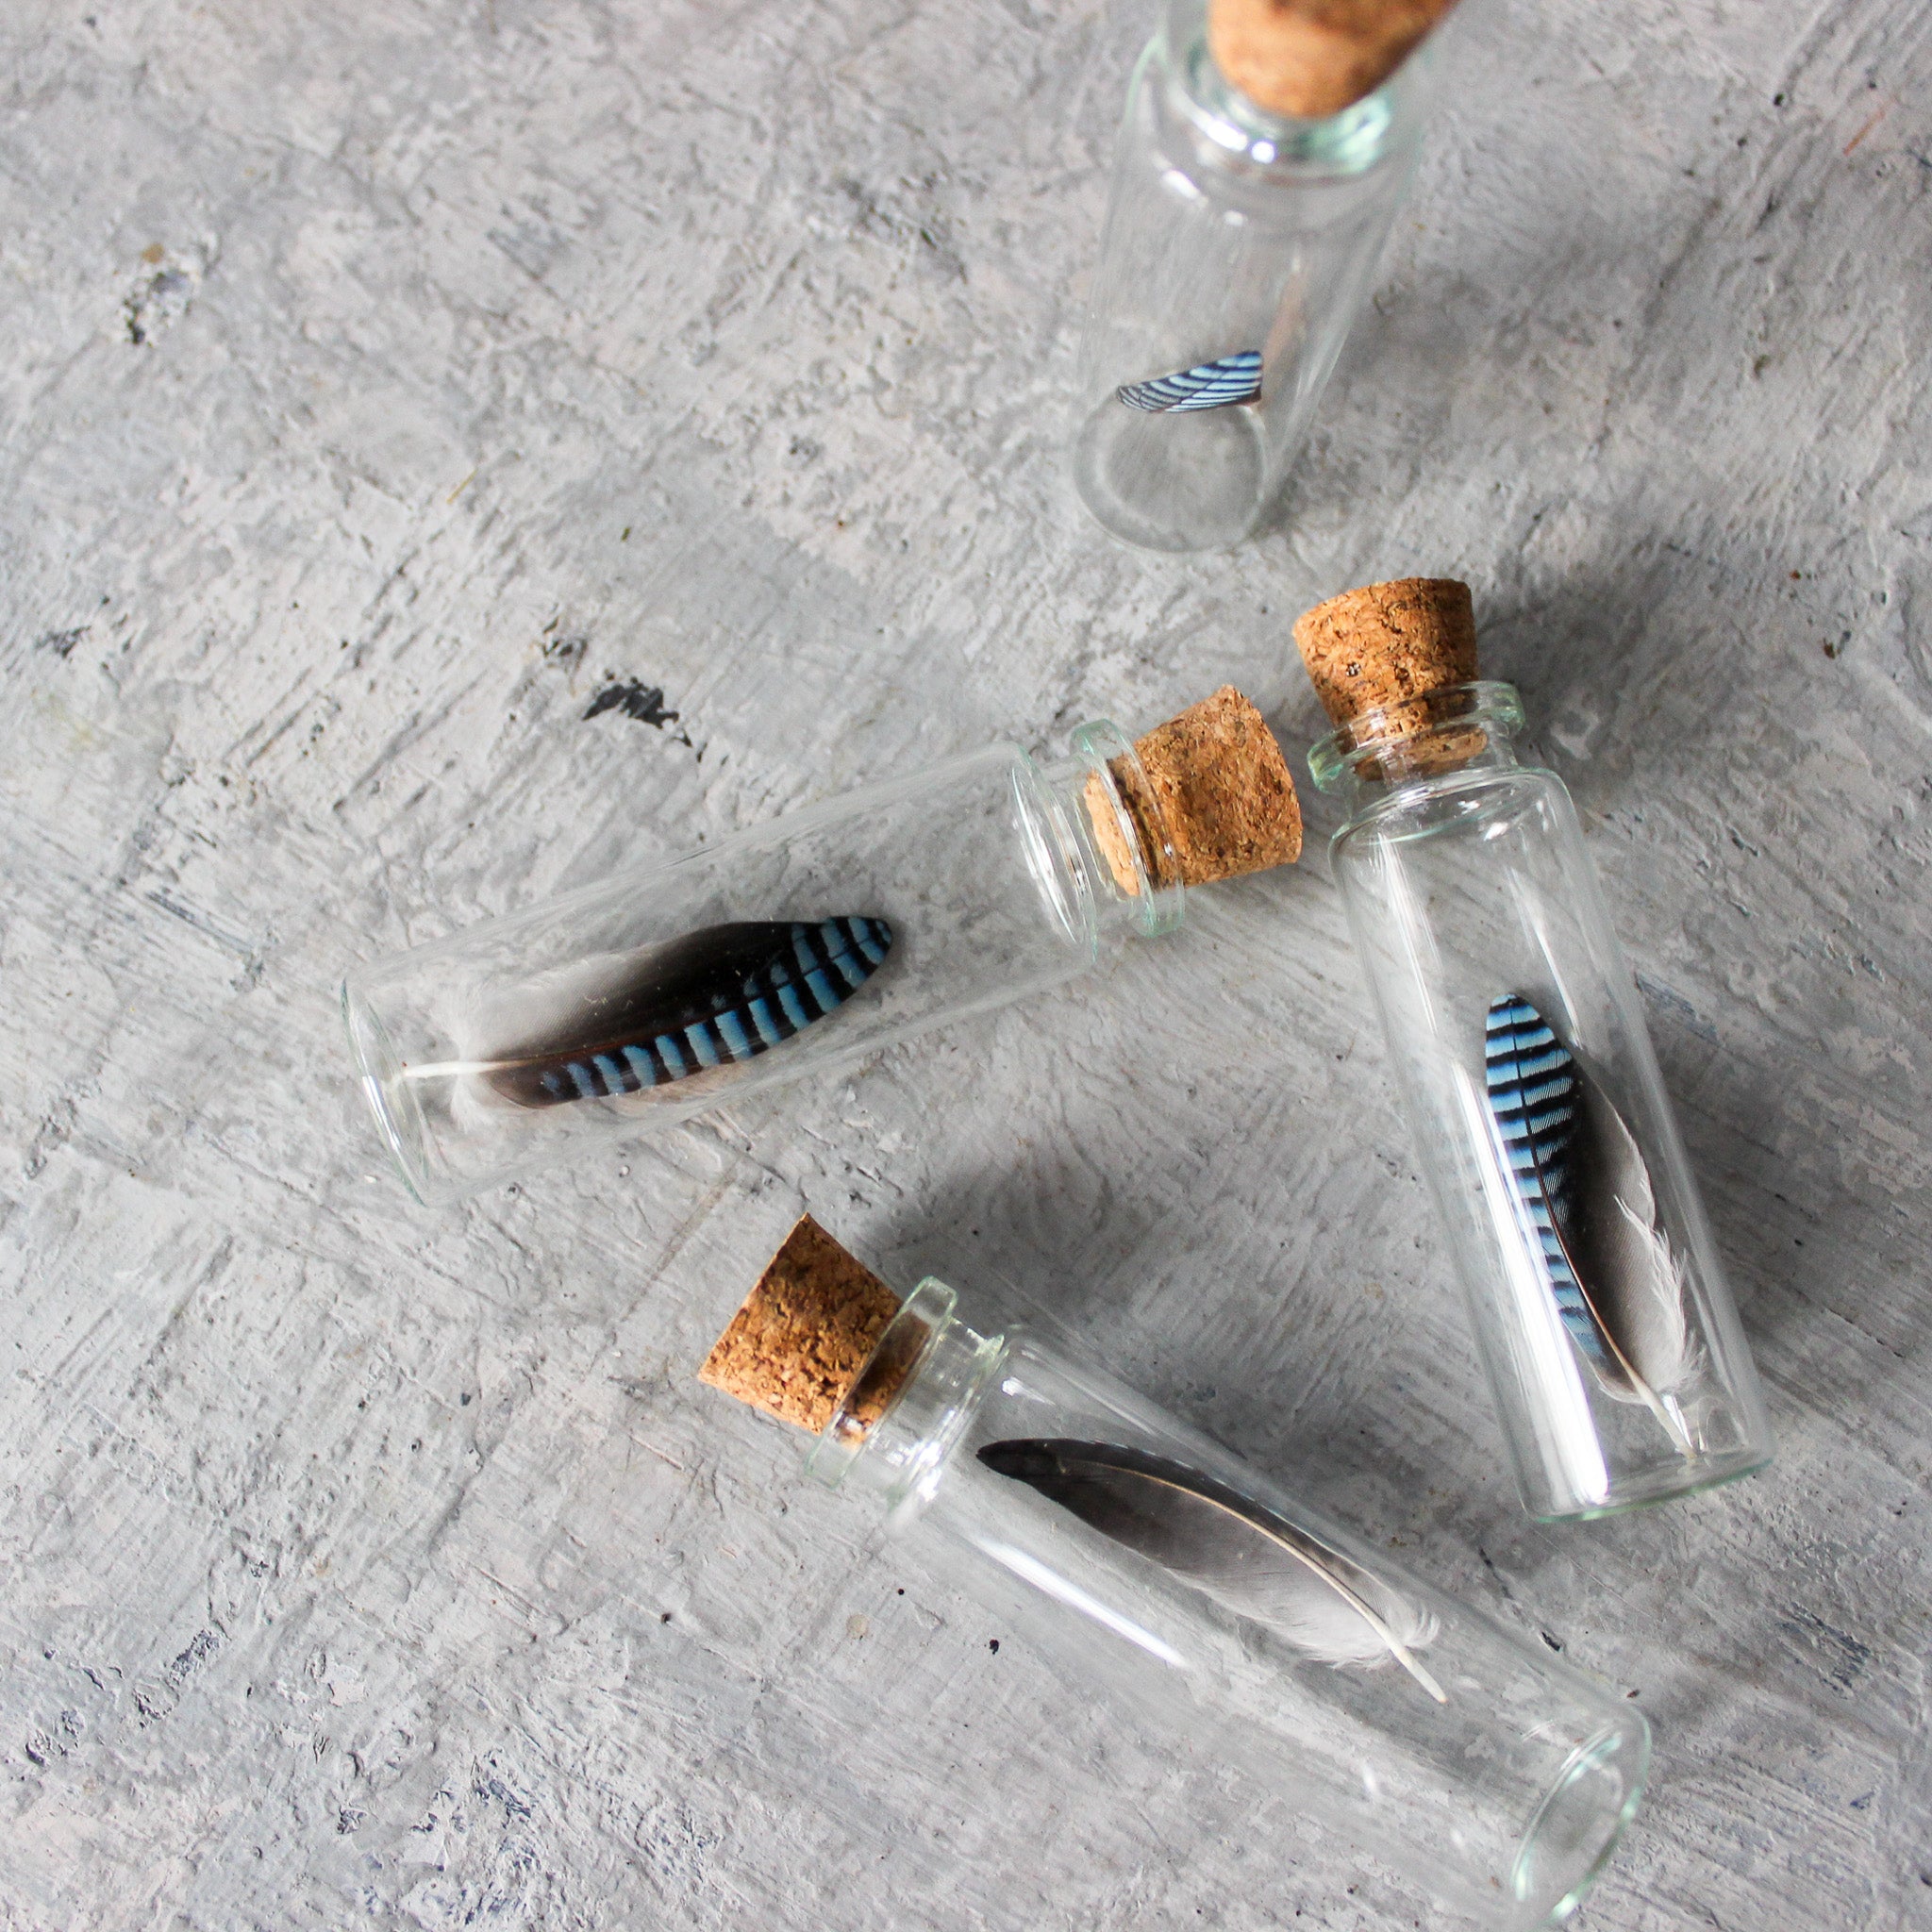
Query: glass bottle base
1176	480
1662	1486
396	1111
1578	1825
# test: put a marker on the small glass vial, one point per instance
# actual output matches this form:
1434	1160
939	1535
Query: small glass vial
1263	157
1514	1028
1204	1598
663	992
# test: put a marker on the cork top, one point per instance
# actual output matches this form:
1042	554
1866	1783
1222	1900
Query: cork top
1217	800
798	1345
1307	58
1381	646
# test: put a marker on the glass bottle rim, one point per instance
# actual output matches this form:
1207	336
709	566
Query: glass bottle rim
904	1347
1348	141
1390	744
1104	750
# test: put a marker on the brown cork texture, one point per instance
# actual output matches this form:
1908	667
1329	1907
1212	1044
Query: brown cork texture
1376	655
797	1346
1378	647
1219	800
1306	58
1124	857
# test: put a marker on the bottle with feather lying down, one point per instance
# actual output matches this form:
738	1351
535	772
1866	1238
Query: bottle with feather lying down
645	999
1409	1735
1515	1030
1266	147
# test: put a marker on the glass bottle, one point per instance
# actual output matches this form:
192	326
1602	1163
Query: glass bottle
1540	1120
1239	246
1204	1598
804	945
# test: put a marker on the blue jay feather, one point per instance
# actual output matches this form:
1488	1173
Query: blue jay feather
1584	1189
1534	1097
710	999
1207	386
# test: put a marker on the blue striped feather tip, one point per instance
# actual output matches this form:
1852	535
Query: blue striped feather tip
711	999
1207	386
1536	1096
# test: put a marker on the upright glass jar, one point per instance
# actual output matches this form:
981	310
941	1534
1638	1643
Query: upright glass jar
1258	1633
1540	1120
1238	247
801	945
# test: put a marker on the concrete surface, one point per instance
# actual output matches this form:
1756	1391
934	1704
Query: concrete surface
382	383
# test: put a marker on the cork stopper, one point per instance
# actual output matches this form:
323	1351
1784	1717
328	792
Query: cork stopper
798	1345
1217	800
1378	647
1376	656
1307	58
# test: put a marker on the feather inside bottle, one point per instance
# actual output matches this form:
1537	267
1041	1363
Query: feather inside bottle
1244	1555
1582	1180
1207	386
714	998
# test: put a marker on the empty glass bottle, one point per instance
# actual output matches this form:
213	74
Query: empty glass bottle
1514	1028
652	995
1202	1597
1240	243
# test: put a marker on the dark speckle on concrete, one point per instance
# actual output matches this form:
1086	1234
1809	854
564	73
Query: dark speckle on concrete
635	699
567	650
161	299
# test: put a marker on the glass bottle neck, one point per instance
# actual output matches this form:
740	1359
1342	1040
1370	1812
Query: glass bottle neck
1430	743
912	1401
1097	842
1226	128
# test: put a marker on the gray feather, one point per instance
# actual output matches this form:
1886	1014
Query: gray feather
1634	1277
1244	1555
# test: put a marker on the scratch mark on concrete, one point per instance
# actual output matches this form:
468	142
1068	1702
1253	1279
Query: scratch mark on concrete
247	949
1841	1657
1867	128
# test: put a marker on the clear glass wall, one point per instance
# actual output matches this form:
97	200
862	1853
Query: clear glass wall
1540	1120
1263	1636
798	947
1238	247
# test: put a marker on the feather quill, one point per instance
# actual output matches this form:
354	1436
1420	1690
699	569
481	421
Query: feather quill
1244	1555
1580	1176
671	1012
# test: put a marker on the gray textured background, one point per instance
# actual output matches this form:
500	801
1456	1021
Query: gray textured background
382	380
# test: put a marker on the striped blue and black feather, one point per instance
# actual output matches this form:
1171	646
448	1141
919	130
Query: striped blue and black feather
1583	1183
711	999
1536	1095
1207	386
